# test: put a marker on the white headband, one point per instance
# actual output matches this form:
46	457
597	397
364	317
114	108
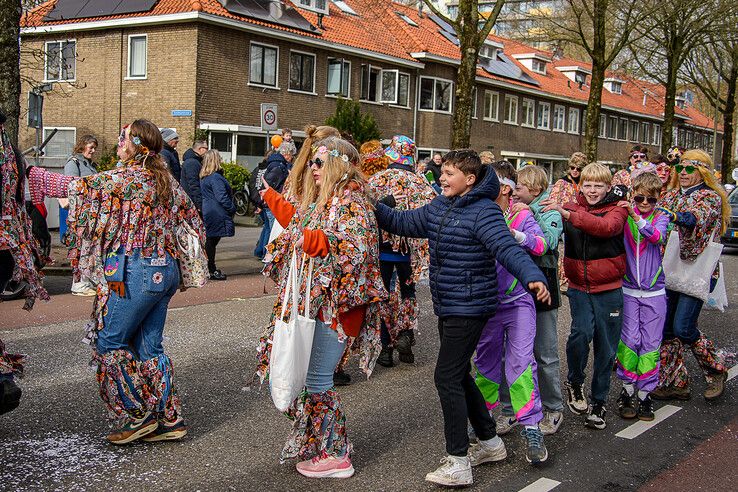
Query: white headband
507	181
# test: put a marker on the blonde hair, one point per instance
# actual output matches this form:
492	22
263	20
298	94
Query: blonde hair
596	172
534	177
648	183
578	159
300	168
337	174
487	157
210	163
708	177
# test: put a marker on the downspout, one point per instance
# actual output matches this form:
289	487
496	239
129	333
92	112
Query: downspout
120	91
415	106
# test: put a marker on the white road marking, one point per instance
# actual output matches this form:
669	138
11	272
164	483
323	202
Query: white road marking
635	430
541	485
733	372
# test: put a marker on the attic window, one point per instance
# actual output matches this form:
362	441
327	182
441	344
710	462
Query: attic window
580	77
681	102
343	6
320	6
614	85
538	66
407	19
488	51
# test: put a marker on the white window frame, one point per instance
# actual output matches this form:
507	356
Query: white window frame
602	126
573	119
542	65
492	95
61	59
409	80
645	133
547	112
610	118
146	58
348	85
315	70
531	112
624	138
634	136
310	5
276	66
396	74
378	90
562	109
451	96
511	98
47	130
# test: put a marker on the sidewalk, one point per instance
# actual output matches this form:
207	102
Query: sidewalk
234	254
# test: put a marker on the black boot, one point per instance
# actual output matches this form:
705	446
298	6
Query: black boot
341	378
385	357
10	395
404	345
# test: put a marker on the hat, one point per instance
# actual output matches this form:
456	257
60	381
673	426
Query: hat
169	134
401	150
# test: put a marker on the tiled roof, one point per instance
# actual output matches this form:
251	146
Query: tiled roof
379	29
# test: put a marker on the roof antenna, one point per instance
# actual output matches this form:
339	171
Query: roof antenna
320	21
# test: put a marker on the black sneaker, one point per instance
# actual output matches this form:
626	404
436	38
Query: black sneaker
626	405
404	346
645	409
596	417
10	395
385	357
341	378
575	399
167	431
218	275
535	450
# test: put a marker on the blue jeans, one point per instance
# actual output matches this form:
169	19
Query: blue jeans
682	312
135	321
596	318
324	358
268	218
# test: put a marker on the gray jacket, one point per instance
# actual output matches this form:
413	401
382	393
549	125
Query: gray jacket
78	165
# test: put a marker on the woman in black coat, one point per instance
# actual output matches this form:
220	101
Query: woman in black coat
217	207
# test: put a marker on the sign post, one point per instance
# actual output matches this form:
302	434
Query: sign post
268	119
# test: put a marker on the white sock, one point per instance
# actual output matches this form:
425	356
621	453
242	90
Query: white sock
531	426
629	388
492	443
642	395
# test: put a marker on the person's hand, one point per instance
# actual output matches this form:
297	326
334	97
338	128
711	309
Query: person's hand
299	243
518	207
672	216
257	210
629	207
541	292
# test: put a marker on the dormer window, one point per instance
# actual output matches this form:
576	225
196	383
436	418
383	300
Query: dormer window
681	102
614	85
575	74
488	51
319	6
534	62
580	78
538	66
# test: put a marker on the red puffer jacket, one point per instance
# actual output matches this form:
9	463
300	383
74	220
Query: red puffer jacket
594	251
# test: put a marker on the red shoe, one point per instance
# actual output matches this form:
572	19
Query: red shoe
326	466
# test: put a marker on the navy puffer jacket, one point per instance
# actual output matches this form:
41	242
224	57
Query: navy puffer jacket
465	234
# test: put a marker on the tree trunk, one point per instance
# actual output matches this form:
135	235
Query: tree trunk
463	95
10	82
728	115
594	106
667	132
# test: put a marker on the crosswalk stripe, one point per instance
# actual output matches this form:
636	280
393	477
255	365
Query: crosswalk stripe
733	372
541	485
635	430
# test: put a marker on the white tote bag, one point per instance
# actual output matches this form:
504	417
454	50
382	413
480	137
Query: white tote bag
719	296
690	277
292	342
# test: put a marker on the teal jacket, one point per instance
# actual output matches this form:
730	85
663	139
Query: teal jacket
552	226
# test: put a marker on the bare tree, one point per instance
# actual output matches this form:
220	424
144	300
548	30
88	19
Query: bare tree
669	35
10	82
471	38
602	29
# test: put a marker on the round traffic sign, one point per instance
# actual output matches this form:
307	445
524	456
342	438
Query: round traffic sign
269	117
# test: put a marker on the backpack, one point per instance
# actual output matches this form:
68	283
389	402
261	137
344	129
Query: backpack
254	185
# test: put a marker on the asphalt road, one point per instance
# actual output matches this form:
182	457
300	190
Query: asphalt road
55	439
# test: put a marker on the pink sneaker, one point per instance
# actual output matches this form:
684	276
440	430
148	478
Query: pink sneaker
326	466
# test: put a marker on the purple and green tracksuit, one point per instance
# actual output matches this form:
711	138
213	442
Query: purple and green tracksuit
513	329
644	302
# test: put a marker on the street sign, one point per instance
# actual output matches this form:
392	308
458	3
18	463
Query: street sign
35	109
179	113
268	117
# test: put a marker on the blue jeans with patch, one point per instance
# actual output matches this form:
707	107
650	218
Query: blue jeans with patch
324	358
268	218
135	322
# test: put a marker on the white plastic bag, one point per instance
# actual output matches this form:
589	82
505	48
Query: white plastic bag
292	342
718	298
690	277
275	232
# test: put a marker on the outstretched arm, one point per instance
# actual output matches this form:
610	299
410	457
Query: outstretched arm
42	183
409	223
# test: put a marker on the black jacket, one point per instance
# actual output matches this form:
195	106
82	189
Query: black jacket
255	184
190	179
277	171
171	157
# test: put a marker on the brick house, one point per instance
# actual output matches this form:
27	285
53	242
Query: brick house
208	64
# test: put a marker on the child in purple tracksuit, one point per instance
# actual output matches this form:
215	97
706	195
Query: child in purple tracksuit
644	299
513	329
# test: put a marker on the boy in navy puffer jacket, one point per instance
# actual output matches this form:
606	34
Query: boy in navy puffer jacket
466	232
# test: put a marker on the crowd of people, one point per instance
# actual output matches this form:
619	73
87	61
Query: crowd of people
359	227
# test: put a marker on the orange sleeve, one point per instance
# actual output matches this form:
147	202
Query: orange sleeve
316	242
281	208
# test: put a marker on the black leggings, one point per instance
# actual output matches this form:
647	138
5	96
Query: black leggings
210	245
7	264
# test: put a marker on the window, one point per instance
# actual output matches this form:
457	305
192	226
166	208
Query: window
613	85
62	144
390	83
407	19
511	109
645	136
435	94
573	120
612	128
623	129
263	65
690	140
221	141
403	90
344	7
544	116
633	133
487	51
302	72
529	113
656	137
603	126
320	6
559	118
339	77
491	106
61	60
538	66
137	56
580	77
370	83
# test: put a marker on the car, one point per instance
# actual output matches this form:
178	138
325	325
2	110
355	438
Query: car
730	238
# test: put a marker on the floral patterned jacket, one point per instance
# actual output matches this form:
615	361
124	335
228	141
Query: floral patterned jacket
346	278
564	191
706	207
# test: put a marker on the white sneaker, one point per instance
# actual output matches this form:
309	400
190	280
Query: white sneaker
487	451
505	423
551	422
87	292
455	471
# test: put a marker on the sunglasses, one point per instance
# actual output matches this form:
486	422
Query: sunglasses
680	167
317	162
637	156
652	200
574	168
